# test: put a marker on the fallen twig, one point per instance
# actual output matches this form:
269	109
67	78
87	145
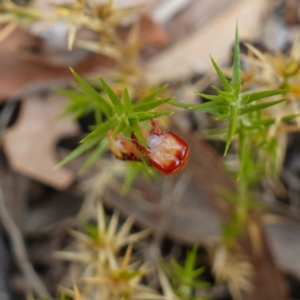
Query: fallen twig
4	288
20	250
11	228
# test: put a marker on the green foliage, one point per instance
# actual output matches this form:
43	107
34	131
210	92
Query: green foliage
126	274
99	150
63	296
257	149
91	230
231	104
78	151
185	279
248	118
135	168
243	200
111	113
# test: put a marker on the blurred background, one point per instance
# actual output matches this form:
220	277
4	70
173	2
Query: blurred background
138	44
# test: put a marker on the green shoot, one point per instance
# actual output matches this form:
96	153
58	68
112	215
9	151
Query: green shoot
185	279
111	113
231	103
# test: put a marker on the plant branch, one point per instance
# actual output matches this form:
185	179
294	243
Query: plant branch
20	250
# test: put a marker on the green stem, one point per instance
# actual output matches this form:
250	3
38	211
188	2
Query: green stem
242	152
232	126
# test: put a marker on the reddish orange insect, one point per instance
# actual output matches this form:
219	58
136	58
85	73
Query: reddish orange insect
122	148
167	152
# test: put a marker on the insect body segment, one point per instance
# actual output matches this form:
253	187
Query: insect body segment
122	148
167	152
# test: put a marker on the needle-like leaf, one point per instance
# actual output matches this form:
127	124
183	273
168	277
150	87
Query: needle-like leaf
90	92
153	94
78	151
145	106
236	75
127	102
137	131
101	148
289	117
213	107
221	131
101	130
211	97
144	116
227	96
182	105
259	106
119	128
134	168
113	97
248	98
225	83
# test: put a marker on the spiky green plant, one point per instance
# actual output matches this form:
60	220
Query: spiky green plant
111	113
185	279
231	104
249	123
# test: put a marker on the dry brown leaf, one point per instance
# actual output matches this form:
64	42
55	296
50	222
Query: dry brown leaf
191	54
30	143
21	66
152	33
19	39
17	73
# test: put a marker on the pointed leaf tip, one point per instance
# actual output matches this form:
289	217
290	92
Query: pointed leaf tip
236	73
127	101
225	83
113	97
